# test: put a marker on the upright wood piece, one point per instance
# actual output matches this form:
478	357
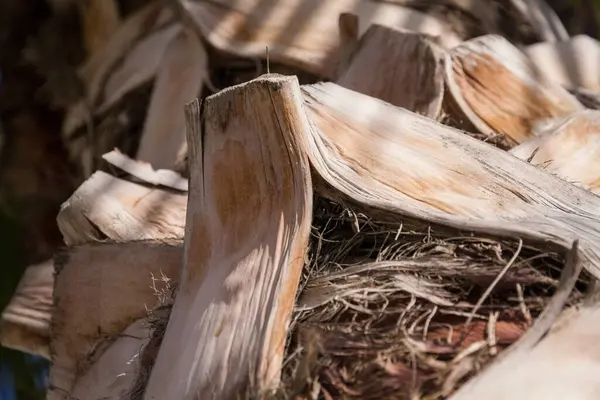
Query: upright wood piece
400	67
247	229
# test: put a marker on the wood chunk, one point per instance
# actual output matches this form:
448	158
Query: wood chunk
499	90
101	293
25	322
573	63
107	207
179	81
400	67
301	33
246	236
387	158
144	172
569	148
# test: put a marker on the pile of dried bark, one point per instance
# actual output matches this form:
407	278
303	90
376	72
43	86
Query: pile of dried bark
325	199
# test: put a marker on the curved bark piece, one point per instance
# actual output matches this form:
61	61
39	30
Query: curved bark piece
574	63
107	207
101	293
179	81
499	90
388	158
570	149
246	235
25	322
302	33
402	68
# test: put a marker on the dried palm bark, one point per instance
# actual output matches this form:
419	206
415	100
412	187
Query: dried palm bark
102	296
573	63
25	321
388	158
568	148
499	90
386	310
247	231
108	207
402	68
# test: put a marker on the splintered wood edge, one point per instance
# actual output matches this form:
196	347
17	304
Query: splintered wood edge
277	273
94	302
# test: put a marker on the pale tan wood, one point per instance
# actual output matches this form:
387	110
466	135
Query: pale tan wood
569	148
144	171
574	63
247	232
564	365
25	321
101	293
180	79
100	20
301	33
107	207
388	158
400	67
499	90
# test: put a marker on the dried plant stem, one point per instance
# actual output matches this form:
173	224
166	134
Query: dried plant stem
487	292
